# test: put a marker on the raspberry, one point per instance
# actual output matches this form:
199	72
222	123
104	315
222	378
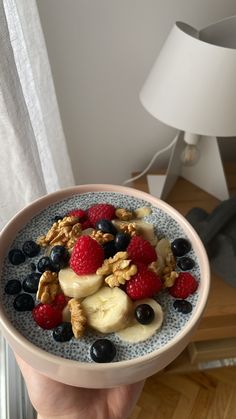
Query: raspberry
87	256
140	250
47	316
83	218
81	214
143	285
98	211
185	284
85	224
60	301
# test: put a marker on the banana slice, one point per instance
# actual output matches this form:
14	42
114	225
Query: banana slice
66	313
147	231
163	247
108	310
138	332
87	231
78	286
142	212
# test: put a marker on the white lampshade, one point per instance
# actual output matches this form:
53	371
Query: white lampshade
192	84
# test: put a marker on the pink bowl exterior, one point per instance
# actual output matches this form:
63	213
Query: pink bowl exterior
92	375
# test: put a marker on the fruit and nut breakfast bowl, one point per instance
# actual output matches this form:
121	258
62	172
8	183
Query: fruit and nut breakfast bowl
101	285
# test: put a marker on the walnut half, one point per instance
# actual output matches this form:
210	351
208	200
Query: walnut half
124	214
101	237
118	269
64	232
78	319
48	287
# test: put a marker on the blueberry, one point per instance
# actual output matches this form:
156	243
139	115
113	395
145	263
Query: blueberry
30	248
59	256
103	350
23	302
16	256
57	218
144	313
109	249
31	282
45	264
13	286
106	226
63	332
183	306
122	241
180	247
186	263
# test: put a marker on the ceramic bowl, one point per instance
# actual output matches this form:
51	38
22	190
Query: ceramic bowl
69	362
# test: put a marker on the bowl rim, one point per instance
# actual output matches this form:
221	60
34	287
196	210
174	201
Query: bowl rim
46	200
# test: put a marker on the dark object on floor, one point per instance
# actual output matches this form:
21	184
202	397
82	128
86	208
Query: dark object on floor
218	234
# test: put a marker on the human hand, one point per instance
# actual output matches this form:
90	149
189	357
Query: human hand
54	400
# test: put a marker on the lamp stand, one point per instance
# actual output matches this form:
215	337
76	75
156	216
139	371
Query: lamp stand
208	173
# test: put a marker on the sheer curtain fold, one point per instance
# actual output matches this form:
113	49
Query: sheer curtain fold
33	155
33	152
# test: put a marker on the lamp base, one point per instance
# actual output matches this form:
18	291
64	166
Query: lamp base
208	173
156	184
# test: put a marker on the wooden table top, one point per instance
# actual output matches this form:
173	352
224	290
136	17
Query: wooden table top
219	318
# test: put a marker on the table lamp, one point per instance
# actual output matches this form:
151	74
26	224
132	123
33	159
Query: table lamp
192	87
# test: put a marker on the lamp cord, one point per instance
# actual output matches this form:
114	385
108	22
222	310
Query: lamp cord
157	154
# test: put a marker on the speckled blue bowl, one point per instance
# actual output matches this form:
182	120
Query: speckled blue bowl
70	362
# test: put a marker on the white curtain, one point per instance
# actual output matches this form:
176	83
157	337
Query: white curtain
34	158
33	155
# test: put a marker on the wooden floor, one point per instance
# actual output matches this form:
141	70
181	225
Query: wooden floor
208	394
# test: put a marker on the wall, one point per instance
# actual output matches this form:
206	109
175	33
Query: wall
100	53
